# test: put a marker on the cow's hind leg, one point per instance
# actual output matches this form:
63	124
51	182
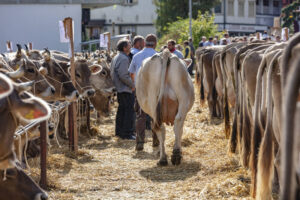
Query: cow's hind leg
178	129
161	134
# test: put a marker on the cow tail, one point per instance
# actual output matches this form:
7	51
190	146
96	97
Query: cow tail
214	91
265	167
289	186
225	99
257	131
165	63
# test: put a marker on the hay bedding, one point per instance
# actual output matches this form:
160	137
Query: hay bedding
108	168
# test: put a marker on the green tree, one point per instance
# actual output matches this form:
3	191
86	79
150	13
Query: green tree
169	11
290	14
203	25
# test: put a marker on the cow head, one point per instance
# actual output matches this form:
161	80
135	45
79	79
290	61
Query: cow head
16	62
28	71
16	185
82	76
33	54
13	109
61	81
101	79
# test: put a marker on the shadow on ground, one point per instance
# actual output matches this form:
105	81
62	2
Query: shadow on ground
143	155
171	173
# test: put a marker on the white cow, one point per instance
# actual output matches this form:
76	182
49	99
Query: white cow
165	91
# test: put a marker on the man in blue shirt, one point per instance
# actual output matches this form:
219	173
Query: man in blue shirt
172	49
138	45
136	63
209	42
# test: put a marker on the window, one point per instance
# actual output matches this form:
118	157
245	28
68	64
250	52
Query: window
251	9
275	4
230	8
127	29
241	8
130	2
266	2
218	8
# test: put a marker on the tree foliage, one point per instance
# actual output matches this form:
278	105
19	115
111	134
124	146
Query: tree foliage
289	14
169	10
203	25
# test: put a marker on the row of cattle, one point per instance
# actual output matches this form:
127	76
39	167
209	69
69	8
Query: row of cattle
257	84
30	82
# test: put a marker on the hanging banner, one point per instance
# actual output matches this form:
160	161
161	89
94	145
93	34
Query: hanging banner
104	40
62	33
285	34
9	46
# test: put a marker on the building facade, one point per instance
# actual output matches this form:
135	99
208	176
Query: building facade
132	17
36	21
242	17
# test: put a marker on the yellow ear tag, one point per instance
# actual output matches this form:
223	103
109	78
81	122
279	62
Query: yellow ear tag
33	114
17	67
30	115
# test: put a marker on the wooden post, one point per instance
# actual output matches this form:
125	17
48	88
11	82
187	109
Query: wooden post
113	28
88	119
43	160
68	24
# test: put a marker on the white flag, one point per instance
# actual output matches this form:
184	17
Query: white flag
62	33
103	40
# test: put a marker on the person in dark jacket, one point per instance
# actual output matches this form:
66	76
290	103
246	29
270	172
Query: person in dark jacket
125	87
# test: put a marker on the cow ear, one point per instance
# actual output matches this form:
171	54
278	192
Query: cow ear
33	109
43	71
95	68
6	86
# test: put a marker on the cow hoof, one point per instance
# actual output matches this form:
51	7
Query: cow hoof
176	157
163	162
139	147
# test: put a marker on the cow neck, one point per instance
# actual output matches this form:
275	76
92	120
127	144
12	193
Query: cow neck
61	83
9	154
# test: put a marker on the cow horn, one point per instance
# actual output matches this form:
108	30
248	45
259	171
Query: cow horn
19	51
26	47
16	74
47	54
24	86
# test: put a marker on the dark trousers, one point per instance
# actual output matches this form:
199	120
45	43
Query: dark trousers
125	115
191	67
143	122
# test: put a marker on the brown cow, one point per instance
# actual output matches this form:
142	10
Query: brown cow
13	109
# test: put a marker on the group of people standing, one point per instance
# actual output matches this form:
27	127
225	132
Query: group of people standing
131	120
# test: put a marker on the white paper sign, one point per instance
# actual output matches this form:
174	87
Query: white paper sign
11	47
283	36
62	33
30	46
103	40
